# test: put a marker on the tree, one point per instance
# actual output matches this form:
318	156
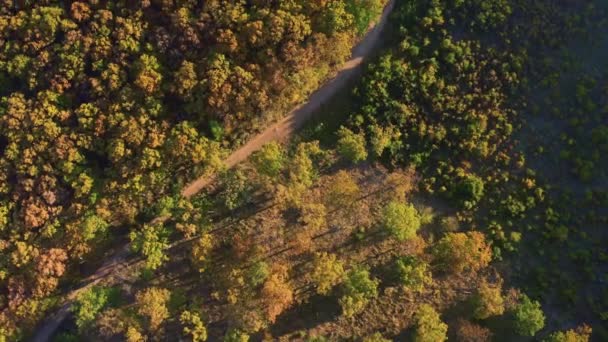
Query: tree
50	265
357	289
580	334
343	190
89	304
270	160
151	241
185	79
364	11
236	189
458	252
152	304
193	326
529	317
235	335
471	332
412	273
276	294
400	220
201	250
469	190
351	145
488	302
313	216
148	76
258	273
327	272
376	337
428	325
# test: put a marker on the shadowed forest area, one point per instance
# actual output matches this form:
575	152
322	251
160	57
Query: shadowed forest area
456	190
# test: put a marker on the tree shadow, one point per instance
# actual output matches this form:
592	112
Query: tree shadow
317	310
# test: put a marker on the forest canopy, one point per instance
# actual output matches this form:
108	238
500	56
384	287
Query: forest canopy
106	106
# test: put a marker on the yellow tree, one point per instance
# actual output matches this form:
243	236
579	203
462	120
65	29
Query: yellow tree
152	304
458	252
327	272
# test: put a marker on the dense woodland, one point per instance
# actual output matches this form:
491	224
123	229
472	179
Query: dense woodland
109	106
458	191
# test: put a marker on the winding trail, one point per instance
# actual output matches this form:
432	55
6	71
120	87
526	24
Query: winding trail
279	131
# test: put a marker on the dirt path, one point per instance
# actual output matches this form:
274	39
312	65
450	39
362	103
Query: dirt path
280	131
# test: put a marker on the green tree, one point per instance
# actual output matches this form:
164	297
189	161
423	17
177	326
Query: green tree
90	303
327	272
428	325
351	145
270	160
529	317
400	220
358	289
151	241
412	273
363	12
468	190
258	273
